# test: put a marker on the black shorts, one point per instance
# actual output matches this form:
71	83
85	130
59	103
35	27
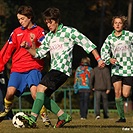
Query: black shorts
53	80
125	80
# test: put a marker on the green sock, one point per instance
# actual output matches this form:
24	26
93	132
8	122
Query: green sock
63	116
120	107
38	103
53	107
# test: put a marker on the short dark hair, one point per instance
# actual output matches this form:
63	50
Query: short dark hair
51	13
26	11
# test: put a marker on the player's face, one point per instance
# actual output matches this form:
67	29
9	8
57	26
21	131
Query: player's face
24	21
52	25
118	24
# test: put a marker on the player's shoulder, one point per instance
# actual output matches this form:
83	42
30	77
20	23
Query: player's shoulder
69	28
18	29
39	27
127	32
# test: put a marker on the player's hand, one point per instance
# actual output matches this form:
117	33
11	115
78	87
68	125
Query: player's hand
25	44
101	64
113	61
32	38
93	89
107	91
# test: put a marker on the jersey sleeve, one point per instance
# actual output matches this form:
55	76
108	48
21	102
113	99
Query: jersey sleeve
40	36
1	64
44	48
105	51
8	48
82	41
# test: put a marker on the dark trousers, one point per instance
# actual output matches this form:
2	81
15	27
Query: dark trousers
1	101
9	116
98	96
84	102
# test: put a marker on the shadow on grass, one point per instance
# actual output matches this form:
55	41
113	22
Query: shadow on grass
94	126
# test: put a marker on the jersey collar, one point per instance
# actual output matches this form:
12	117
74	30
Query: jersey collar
34	26
113	34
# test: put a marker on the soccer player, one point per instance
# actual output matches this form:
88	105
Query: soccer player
25	70
60	42
118	51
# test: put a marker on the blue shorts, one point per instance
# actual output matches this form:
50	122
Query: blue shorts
22	80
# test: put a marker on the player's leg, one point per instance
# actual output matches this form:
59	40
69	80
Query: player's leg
34	77
8	101
117	83
44	116
127	83
37	105
63	117
49	104
53	79
126	90
15	83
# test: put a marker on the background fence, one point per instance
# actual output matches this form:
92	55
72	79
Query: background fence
68	100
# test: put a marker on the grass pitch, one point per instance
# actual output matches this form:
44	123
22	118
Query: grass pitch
76	125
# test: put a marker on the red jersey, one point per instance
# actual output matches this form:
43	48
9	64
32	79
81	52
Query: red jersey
22	60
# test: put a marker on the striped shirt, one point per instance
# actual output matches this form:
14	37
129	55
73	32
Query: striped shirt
60	45
120	48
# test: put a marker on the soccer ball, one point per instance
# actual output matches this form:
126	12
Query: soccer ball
16	122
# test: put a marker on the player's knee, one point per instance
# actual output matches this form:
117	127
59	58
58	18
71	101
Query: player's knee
33	96
126	95
10	94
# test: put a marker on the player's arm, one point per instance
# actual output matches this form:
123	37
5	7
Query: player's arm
39	52
6	51
1	64
31	50
98	58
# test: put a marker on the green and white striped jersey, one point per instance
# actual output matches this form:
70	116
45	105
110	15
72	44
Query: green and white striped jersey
60	45
120	48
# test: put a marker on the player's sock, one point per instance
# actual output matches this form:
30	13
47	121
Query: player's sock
63	116
120	107
38	103
8	105
51	105
43	110
44	116
7	108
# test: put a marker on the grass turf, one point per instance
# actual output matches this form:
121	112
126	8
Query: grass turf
76	125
